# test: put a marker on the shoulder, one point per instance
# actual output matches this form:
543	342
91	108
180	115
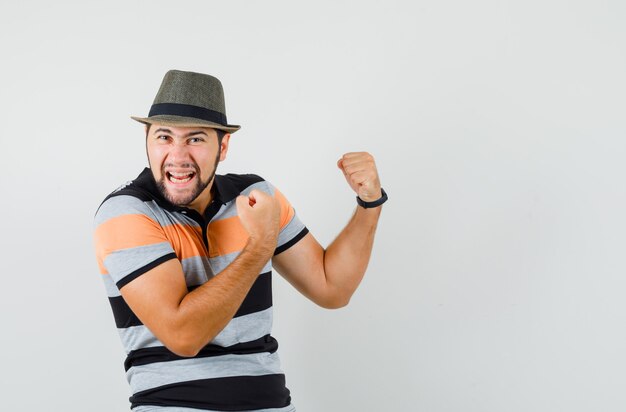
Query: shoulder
127	199
122	205
244	183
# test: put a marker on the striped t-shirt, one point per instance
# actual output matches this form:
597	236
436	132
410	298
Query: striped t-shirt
136	229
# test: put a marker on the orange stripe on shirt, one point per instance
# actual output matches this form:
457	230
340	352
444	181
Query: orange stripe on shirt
286	211
226	236
128	231
186	240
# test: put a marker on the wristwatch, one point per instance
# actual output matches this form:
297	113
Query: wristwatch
375	203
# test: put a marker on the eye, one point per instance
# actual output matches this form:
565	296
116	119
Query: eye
162	137
196	140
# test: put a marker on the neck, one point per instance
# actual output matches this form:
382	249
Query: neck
204	199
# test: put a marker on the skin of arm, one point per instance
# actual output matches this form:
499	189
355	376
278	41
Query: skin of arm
186	321
329	277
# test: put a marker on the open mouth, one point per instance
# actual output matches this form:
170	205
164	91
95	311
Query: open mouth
180	177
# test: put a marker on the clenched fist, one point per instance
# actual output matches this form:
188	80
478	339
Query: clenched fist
360	172
260	216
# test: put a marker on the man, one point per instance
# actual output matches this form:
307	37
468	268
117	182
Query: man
186	258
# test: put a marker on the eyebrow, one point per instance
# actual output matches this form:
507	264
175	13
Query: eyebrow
194	133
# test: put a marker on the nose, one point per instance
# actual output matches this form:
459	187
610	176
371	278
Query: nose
179	154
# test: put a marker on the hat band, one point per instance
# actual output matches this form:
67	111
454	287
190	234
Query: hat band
188	110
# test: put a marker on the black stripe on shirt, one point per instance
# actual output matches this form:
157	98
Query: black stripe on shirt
147	356
293	241
259	297
124	316
238	393
242	181
135	274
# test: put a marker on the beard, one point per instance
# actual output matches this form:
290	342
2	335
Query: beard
186	199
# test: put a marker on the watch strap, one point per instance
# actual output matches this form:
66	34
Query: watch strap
375	203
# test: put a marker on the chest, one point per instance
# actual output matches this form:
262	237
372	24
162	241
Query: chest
205	249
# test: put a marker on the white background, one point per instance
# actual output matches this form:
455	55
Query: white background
498	275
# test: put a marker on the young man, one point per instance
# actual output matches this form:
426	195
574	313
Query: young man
186	258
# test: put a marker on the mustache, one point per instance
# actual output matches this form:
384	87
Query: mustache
193	166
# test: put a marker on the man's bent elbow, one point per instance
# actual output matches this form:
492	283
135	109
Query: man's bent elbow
184	345
183	349
334	306
335	302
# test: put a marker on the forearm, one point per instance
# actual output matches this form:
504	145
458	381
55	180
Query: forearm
347	257
205	311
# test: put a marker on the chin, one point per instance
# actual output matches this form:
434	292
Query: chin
181	200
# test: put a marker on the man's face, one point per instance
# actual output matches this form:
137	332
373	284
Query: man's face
183	161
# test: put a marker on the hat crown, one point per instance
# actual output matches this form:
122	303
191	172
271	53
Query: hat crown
195	89
189	99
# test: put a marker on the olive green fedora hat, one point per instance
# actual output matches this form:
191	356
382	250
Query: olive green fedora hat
188	99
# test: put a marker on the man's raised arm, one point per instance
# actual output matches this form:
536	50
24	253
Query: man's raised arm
330	276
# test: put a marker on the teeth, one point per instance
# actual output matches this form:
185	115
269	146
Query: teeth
180	177
186	179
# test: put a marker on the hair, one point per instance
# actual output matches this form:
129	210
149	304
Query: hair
220	136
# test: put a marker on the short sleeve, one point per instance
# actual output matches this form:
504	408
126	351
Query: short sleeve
128	240
291	228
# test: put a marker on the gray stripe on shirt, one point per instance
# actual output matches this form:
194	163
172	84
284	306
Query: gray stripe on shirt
241	329
292	228
245	328
137	337
128	205
220	263
121	263
157	374
110	286
197	270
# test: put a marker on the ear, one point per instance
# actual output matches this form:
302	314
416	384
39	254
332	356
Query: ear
224	147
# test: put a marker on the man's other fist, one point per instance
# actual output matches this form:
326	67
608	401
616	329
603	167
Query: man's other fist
361	174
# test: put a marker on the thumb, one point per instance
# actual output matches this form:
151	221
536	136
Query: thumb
254	196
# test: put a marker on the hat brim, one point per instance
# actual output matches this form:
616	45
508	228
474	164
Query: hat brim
181	121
